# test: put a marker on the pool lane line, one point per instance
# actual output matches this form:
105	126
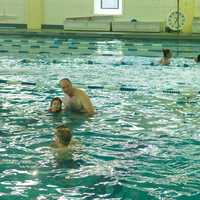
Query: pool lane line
17	82
98	87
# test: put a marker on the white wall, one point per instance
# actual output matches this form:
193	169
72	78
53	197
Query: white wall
55	11
197	10
14	8
147	10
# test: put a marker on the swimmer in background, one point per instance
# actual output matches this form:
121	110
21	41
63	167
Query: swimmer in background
197	59
55	105
75	99
167	55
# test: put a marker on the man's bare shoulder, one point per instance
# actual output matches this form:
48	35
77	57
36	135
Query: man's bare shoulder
81	92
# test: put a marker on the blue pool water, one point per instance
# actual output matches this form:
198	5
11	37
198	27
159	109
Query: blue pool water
141	144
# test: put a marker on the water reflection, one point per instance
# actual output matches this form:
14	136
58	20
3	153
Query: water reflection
141	144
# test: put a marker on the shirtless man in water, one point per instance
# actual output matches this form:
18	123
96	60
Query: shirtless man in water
75	99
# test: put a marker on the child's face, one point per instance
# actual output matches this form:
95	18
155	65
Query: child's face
56	106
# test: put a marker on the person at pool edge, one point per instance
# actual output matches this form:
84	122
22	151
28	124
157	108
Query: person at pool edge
167	54
75	99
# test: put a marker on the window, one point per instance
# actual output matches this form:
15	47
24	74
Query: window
112	4
108	7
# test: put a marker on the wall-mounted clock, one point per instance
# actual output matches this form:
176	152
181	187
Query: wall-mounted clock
172	20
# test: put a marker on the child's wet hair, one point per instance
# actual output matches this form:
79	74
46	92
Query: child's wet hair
198	58
64	135
56	99
60	126
166	52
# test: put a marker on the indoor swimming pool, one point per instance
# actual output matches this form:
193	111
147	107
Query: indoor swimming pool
143	142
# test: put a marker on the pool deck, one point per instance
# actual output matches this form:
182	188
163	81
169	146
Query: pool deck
89	34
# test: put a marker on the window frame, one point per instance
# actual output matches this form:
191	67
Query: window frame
98	10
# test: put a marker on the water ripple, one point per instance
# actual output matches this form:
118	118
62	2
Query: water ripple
142	144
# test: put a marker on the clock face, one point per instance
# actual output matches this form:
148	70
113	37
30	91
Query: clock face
176	20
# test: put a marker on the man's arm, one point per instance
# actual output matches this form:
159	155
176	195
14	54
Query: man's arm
86	103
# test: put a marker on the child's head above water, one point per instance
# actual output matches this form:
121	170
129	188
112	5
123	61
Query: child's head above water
197	59
167	53
55	105
63	135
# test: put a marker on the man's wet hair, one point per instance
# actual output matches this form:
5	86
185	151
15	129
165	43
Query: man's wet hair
66	79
